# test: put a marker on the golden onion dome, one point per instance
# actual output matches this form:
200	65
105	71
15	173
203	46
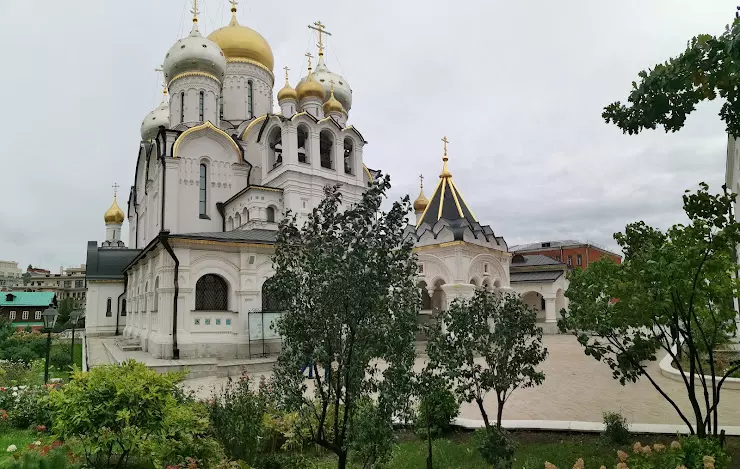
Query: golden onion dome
242	43
421	202
310	88
287	92
333	105
114	214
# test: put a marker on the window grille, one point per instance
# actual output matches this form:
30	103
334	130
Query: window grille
211	293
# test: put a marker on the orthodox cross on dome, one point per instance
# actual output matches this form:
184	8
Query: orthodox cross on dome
194	11
444	139
115	189
309	56
421	181
233	6
321	29
286	74
164	84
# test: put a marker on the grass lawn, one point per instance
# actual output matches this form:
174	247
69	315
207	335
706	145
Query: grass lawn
533	449
19	438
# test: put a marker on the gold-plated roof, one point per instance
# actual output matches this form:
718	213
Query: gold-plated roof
287	92
242	43
114	214
310	87
332	104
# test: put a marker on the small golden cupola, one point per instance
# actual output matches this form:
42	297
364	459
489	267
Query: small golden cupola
310	87
242	44
287	92
114	214
421	202
333	104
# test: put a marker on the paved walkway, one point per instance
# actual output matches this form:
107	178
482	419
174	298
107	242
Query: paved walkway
576	388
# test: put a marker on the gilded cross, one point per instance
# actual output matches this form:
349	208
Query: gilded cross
161	70
194	11
308	54
115	188
286	73
445	142
421	181
321	28
233	6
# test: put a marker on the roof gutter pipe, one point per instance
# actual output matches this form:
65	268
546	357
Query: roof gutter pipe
163	238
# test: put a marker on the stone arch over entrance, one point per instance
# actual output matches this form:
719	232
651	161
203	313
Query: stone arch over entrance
560	302
439	298
536	301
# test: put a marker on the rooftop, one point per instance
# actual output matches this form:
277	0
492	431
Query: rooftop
557	244
26	298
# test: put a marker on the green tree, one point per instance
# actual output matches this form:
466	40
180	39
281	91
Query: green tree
675	290
489	343
345	281
667	93
65	308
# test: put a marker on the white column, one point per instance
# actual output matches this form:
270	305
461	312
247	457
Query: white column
463	291
550	310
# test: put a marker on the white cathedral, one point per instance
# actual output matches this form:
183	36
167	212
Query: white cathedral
216	170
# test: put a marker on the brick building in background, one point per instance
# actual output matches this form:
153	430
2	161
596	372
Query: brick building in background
570	252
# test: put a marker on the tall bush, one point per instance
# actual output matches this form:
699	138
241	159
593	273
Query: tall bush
127	415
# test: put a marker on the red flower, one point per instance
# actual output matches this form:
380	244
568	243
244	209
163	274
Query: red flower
41	428
56	444
45	450
3	414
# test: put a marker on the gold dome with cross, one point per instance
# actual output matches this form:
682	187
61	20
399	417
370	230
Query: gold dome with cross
242	44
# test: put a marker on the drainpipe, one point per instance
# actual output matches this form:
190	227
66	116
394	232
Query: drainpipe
588	246
222	211
163	239
136	211
164	180
118	314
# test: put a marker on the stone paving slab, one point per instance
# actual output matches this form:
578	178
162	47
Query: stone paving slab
577	388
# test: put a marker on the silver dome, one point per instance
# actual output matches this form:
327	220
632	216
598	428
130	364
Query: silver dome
194	53
151	123
342	90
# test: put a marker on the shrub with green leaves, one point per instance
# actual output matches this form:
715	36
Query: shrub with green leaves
616	428
61	358
438	406
129	415
31	407
496	446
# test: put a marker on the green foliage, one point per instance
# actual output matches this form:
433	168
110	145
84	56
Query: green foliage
53	459
670	91
496	446
694	451
673	287
438	405
21	345
61	357
345	281
31	407
121	416
616	428
489	343
372	436
236	415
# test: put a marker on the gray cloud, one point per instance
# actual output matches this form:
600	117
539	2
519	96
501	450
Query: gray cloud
518	87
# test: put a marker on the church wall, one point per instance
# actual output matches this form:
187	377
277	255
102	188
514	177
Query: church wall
235	91
222	334
96	320
192	86
251	208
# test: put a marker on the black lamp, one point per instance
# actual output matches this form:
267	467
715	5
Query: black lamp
74	316
50	318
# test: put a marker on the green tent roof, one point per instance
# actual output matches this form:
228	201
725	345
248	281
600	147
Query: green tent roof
23	298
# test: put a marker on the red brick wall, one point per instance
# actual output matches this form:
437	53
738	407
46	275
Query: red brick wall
592	255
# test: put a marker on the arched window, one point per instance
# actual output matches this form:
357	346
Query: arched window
182	107
238	220
349	154
326	142
230	224
146	297
275	143
108	310
123	307
221	106
270	212
250	99
201	97
245	216
156	295
211	293
303	144
269	301
202	187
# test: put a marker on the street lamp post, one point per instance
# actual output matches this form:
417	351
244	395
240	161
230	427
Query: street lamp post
74	317
50	318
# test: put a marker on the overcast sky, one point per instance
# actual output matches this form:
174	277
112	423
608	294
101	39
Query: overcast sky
517	87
